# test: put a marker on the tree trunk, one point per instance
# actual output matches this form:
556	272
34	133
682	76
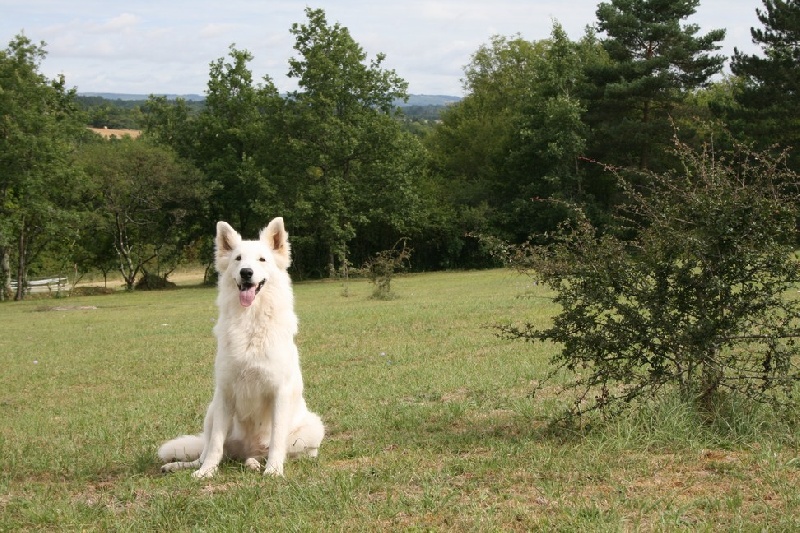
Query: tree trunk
331	264
5	273
644	157
21	267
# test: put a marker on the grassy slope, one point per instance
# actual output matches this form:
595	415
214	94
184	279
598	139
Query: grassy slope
430	424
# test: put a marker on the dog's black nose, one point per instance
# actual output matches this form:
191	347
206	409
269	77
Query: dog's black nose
246	274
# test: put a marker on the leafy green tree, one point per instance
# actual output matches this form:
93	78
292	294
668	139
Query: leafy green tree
518	134
147	197
544	161
170	123
655	62
39	127
470	146
699	301
769	99
239	144
346	146
236	140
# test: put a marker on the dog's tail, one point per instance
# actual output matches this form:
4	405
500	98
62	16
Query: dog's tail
183	448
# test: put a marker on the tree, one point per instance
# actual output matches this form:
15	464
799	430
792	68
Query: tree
240	147
655	62
147	198
343	137
236	140
552	136
470	146
770	96
518	134
39	124
698	301
170	123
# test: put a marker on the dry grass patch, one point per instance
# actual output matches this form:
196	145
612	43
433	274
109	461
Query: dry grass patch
110	133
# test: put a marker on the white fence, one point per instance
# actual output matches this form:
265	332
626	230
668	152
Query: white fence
43	285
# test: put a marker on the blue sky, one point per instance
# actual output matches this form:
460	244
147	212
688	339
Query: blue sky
165	46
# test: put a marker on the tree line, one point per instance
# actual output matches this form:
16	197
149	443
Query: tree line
539	127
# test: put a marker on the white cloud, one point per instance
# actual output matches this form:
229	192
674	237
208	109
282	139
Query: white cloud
167	46
214	30
125	22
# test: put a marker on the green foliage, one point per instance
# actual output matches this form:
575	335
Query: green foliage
382	268
121	113
39	126
235	141
655	61
239	144
117	114
147	203
169	122
357	164
355	174
518	133
769	98
700	298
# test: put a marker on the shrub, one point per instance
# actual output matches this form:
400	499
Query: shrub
154	282
698	295
382	267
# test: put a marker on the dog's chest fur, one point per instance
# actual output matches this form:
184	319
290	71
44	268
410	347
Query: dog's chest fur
256	350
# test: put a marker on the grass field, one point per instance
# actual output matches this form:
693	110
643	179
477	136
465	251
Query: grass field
431	424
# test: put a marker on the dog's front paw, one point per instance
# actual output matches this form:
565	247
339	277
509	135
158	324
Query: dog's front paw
204	473
274	470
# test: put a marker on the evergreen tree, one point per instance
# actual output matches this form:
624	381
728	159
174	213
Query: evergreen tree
655	62
770	96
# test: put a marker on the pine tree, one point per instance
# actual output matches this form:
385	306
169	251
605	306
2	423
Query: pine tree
770	98
655	61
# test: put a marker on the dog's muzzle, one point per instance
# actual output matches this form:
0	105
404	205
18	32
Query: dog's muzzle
247	289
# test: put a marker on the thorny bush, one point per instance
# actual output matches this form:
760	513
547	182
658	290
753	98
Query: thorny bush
694	289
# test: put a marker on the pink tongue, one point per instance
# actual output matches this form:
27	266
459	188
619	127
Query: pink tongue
247	296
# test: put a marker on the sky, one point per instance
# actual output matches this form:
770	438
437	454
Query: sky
166	46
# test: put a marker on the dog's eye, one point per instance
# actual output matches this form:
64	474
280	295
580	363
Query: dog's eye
238	257
263	260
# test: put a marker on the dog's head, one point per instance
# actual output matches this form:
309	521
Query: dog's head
249	265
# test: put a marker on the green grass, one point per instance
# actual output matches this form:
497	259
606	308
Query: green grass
431	424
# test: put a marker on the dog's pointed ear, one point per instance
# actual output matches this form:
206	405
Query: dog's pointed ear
227	239
276	237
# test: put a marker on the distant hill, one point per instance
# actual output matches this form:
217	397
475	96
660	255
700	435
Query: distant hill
413	100
136	97
428	99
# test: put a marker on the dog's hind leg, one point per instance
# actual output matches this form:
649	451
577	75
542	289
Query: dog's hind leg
305	439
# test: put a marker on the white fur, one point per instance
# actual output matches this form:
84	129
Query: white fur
258	408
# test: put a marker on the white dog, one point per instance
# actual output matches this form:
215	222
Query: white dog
258	408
